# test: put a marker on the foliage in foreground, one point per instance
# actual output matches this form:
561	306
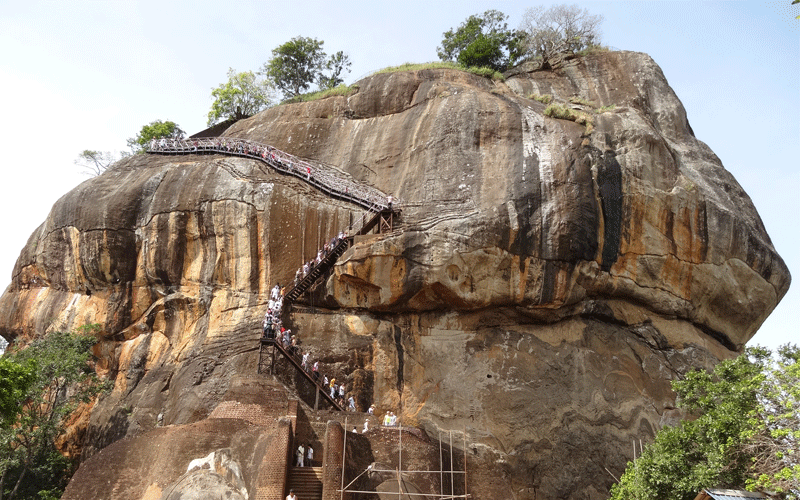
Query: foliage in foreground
41	385
745	435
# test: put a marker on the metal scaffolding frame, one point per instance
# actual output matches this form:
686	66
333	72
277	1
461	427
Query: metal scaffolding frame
399	471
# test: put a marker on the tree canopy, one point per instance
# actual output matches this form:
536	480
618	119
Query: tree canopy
482	40
154	130
337	64
301	62
41	384
94	162
744	432
295	65
560	29
243	95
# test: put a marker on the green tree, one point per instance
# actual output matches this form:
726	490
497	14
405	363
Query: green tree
484	41
243	95
51	377
558	30
744	432
94	162
301	62
337	64
154	130
773	443
295	65
15	382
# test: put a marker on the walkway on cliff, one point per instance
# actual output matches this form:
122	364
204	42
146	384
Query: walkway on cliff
318	176
381	212
271	343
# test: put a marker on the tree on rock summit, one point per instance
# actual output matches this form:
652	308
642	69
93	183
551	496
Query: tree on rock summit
242	96
154	130
558	30
300	62
482	41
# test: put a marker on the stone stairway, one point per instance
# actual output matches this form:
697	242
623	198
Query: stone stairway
306	482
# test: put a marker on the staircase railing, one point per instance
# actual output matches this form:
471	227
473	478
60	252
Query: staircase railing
297	363
318	176
367	221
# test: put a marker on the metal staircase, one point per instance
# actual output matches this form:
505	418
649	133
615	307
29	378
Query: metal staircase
266	363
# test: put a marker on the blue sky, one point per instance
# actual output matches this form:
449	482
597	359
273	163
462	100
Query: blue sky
87	75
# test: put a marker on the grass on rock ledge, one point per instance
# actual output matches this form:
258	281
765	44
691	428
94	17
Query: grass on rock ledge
484	72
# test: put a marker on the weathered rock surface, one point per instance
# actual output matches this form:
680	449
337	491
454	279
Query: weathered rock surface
153	466
545	285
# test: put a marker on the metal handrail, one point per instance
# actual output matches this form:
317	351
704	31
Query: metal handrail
368	197
297	363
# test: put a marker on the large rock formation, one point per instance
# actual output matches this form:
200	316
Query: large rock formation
546	283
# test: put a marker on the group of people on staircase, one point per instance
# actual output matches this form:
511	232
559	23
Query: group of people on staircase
272	319
365	196
336	391
323	252
275	332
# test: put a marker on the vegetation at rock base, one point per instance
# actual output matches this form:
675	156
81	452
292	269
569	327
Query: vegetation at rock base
243	95
482	41
744	432
41	384
154	130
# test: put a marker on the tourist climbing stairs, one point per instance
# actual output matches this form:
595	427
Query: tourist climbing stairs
266	359
306	482
370	220
381	210
319	270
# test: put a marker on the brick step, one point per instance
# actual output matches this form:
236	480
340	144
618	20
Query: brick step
306	482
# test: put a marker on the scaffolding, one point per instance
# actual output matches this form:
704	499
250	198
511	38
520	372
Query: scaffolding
399	472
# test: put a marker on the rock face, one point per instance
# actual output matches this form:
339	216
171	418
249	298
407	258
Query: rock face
547	281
